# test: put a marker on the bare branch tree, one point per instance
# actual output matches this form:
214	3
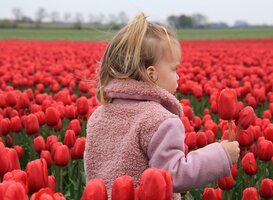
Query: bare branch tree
40	16
55	17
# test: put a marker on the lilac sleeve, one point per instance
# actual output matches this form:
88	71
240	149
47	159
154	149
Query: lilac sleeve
198	168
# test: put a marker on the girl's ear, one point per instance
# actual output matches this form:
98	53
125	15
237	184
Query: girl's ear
152	73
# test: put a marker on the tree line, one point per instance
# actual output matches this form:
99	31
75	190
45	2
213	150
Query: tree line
78	21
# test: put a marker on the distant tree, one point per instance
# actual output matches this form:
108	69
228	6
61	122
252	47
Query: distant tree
199	20
182	21
55	17
185	21
18	15
41	14
122	18
112	19
91	18
78	21
173	21
67	17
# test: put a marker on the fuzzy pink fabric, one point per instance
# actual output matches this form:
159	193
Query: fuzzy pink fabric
118	134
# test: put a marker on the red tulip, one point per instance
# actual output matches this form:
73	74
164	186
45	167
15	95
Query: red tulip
209	194
82	105
265	150
51	183
10	99
190	140
43	194
234	170
61	155
19	150
50	140
11	190
201	139
70	111
227	104
47	156
75	126
37	175
2	101
266	188
246	117
69	138
123	188
52	116
17	175
249	164
39	144
5	162
5	126
152	185
187	124
59	126
226	183
250	193
16	124
32	124
95	190
23	101
78	148
187	110
268	133
41	117
245	137
13	159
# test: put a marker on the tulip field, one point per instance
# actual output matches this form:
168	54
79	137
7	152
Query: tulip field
47	95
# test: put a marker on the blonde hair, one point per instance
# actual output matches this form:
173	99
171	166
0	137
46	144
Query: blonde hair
135	47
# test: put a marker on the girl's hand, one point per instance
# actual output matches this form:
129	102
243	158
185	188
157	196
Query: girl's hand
232	149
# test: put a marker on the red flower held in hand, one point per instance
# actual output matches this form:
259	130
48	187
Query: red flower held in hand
246	117
250	193
249	164
95	190
123	188
52	116
266	188
227	104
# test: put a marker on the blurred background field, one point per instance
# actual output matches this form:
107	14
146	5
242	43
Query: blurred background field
107	33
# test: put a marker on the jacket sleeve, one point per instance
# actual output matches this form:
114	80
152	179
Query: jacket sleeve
198	168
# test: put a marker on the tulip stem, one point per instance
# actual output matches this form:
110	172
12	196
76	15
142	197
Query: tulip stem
237	131
229	131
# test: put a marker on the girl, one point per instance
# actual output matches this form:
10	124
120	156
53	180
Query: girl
138	124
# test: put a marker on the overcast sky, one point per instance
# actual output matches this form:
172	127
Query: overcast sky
252	11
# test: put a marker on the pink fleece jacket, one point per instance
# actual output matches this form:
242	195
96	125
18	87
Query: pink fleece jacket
141	128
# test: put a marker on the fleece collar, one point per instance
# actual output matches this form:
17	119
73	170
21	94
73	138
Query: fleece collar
139	90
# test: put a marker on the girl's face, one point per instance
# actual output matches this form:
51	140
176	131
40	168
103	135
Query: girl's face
166	67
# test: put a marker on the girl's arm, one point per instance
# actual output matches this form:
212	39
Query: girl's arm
198	168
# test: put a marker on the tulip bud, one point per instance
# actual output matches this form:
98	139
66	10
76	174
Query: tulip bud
227	104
